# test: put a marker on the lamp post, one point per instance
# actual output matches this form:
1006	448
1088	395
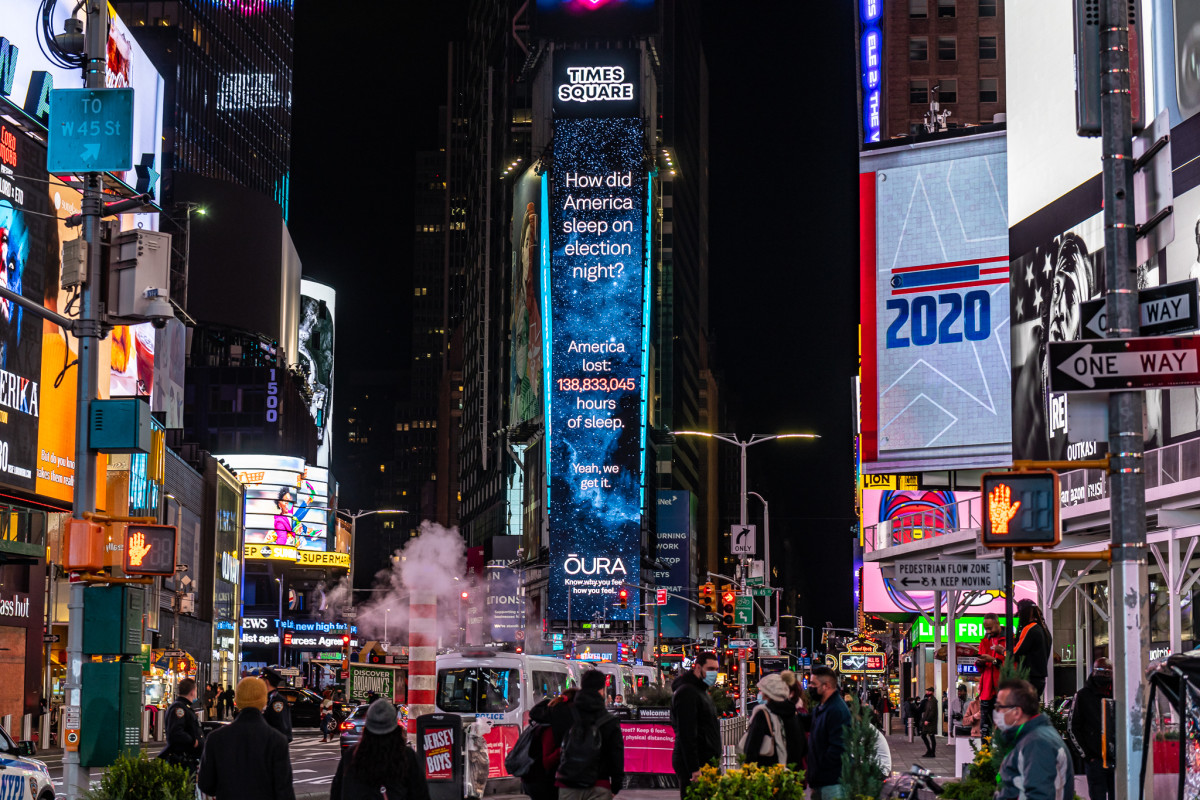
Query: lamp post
744	445
386	639
767	558
279	622
354	534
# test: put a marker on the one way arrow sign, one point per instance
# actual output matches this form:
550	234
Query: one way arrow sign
1105	365
1171	308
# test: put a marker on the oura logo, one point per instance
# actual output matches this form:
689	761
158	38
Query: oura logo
575	565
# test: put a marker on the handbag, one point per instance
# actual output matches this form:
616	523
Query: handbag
767	748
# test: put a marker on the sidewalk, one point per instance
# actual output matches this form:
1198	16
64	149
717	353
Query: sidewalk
905	754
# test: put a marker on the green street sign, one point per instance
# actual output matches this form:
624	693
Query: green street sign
762	591
90	130
743	610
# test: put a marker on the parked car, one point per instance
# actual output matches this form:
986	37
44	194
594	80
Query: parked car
21	775
305	706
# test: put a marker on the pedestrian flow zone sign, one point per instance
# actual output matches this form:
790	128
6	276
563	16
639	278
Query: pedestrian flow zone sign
950	576
1104	365
90	130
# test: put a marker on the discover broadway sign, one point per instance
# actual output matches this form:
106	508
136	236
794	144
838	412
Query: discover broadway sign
1104	365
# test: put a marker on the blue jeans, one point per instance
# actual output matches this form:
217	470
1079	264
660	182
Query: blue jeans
832	792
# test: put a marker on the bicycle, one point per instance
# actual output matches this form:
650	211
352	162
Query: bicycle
916	784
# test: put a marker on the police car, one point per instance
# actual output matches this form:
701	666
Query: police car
21	777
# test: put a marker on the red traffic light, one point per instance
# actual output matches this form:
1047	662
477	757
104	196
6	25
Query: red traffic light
623	597
463	595
345	641
727	598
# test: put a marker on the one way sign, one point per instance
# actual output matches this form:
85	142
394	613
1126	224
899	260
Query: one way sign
1171	308
1104	365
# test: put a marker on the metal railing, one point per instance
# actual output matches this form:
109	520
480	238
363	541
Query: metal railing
732	729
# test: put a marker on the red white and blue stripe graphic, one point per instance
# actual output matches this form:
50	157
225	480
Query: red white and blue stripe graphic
952	275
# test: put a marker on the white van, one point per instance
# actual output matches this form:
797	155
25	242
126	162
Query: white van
620	680
500	687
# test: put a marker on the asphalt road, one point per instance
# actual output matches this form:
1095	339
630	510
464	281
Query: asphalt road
313	764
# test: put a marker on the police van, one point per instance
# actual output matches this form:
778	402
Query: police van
22	777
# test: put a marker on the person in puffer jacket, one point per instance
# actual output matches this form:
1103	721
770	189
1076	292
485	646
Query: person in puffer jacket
1039	765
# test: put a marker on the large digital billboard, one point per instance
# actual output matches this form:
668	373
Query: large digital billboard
317	303
525	366
934	306
595	285
916	516
286	502
676	533
26	248
27	76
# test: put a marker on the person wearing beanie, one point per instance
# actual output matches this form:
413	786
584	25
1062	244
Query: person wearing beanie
585	771
766	741
278	713
247	759
381	764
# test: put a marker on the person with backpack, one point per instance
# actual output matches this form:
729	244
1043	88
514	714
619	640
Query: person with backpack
591	762
1032	648
773	725
534	758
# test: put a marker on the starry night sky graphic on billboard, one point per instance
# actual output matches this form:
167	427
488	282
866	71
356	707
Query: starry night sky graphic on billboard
597	219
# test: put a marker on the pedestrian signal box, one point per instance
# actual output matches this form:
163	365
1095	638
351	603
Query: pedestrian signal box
1020	509
150	550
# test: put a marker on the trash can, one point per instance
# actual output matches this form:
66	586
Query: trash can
440	754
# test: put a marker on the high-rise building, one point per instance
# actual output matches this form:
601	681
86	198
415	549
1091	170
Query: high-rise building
228	74
917	52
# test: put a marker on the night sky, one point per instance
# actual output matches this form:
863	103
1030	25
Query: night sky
783	231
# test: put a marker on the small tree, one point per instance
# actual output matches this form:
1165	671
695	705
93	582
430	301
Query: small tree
145	779
862	774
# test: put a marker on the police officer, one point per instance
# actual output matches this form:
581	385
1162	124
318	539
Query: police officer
278	715
183	729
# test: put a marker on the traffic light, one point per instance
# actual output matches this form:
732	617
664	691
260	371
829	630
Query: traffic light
464	595
708	596
345	651
150	550
623	597
728	603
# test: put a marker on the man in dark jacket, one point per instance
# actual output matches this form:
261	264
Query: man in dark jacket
827	742
1032	648
247	759
183	729
278	714
1088	731
1038	765
600	778
697	731
929	717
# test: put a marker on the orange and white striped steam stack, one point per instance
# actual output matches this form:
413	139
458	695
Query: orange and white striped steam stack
422	655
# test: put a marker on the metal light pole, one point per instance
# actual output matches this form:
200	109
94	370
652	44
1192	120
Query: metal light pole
279	623
754	439
77	778
354	535
1128	595
767	558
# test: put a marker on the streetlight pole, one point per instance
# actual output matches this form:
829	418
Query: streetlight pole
767	558
279	623
744	445
354	535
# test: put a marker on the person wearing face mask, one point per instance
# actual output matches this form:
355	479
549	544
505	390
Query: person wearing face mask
827	741
1038	767
1087	730
694	717
773	719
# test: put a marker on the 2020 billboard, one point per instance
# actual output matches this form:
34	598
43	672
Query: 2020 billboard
595	286
934	307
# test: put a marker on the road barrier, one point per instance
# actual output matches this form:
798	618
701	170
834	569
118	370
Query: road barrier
732	729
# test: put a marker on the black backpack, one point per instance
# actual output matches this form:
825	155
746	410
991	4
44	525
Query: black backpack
525	758
579	763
